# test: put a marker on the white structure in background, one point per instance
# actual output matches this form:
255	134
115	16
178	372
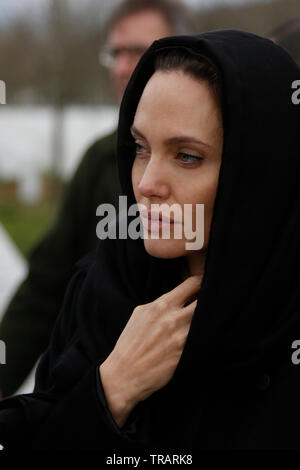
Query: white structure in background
13	269
26	144
30	186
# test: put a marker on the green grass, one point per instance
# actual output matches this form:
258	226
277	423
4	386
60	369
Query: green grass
26	224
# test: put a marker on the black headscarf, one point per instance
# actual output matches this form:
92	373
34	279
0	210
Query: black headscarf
248	309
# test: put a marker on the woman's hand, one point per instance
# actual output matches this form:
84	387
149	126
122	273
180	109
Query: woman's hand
148	350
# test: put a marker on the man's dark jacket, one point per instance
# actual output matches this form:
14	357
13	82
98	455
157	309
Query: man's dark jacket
29	319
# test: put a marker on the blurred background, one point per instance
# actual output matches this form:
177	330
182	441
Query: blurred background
59	99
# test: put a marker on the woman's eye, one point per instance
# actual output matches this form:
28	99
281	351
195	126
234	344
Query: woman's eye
188	158
139	148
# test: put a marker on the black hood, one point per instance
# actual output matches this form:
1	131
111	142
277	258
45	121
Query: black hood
248	309
251	285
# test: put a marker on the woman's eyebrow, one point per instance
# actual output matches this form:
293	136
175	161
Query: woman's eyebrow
172	140
134	130
185	138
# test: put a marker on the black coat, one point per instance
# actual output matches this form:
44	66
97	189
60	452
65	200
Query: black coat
235	386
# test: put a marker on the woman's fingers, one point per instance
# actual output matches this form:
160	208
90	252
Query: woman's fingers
184	291
148	350
187	312
191	307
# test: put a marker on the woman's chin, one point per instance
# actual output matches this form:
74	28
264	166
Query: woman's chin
160	248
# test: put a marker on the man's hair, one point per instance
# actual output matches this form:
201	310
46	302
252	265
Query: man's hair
287	35
198	68
176	15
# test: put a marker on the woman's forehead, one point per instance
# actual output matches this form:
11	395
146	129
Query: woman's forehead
174	104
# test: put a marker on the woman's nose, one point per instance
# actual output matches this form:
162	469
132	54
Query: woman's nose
154	181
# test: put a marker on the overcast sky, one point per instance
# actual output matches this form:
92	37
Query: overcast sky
34	8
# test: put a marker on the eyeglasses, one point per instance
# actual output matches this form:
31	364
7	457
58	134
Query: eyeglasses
109	55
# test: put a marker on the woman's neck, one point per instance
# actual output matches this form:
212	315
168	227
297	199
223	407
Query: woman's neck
194	264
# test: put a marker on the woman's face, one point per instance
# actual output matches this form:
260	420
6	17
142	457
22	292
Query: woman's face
179	137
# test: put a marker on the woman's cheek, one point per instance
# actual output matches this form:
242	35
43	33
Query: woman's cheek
135	179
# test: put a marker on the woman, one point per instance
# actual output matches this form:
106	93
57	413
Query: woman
161	347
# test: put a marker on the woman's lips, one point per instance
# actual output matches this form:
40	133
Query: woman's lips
157	216
154	221
155	225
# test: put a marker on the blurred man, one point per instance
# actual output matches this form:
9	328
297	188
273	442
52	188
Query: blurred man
287	35
29	319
